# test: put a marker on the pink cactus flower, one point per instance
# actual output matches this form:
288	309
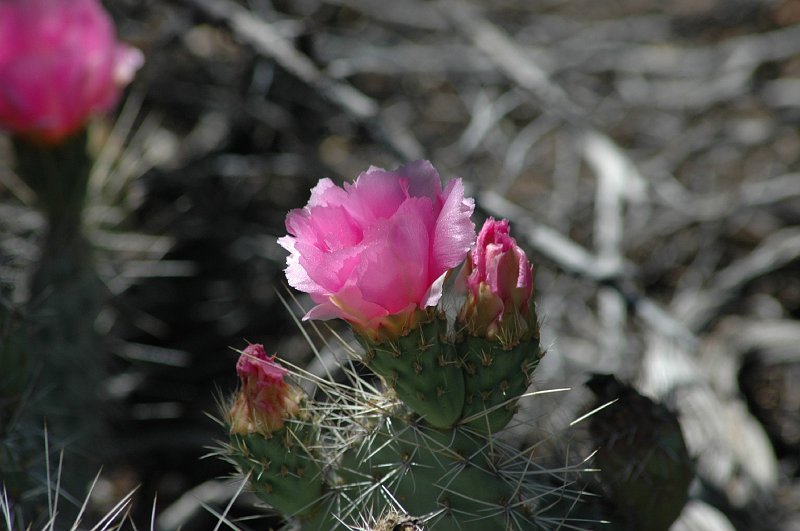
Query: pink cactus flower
59	64
499	281
266	399
377	250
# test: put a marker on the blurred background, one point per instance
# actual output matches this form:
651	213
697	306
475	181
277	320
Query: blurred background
647	153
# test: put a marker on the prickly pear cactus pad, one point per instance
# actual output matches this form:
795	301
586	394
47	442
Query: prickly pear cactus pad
281	467
334	462
422	367
494	379
645	465
451	474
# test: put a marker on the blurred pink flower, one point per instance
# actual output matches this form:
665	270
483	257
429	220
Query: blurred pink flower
499	283
266	399
376	251
59	63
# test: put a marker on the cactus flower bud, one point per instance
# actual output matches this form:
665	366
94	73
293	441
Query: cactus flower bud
266	399
273	436
499	283
59	63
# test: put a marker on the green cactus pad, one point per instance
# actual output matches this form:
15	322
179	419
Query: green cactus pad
423	369
644	463
383	458
494	379
283	472
466	480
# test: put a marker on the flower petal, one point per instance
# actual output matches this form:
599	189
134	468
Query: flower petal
422	178
376	194
454	235
394	264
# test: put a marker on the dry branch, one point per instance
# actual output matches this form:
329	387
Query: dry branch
268	42
572	257
778	250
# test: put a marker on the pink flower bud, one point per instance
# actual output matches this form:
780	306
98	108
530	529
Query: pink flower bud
499	284
376	251
266	399
59	63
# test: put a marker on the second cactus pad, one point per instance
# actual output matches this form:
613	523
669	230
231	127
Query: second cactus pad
494	378
282	469
461	479
422	367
